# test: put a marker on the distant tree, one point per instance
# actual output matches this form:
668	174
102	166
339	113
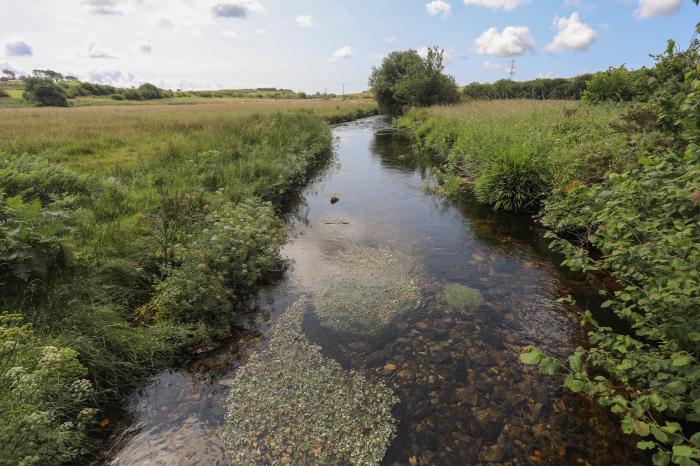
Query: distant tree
149	92
70	78
10	73
50	75
405	80
44	92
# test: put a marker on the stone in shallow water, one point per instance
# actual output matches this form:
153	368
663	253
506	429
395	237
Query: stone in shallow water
292	405
367	294
463	296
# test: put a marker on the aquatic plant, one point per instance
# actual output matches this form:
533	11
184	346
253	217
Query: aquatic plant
462	296
367	294
292	405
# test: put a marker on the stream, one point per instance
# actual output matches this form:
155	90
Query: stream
464	398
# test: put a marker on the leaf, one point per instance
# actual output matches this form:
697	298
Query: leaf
549	366
681	361
661	458
646	445
641	428
531	357
683	451
574	384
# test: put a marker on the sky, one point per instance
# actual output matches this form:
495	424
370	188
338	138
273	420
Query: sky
321	45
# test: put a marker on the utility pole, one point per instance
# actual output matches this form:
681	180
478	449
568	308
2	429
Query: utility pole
511	71
343	89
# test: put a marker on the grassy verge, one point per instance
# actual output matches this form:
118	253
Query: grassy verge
127	234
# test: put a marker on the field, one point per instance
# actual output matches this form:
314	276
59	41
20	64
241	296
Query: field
133	232
95	138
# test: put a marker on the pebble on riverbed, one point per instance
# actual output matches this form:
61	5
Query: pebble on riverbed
370	291
291	405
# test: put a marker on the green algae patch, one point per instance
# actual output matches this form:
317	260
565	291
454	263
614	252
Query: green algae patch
291	405
370	290
462	296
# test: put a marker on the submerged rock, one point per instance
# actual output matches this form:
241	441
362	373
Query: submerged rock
292	405
335	199
463	296
370	291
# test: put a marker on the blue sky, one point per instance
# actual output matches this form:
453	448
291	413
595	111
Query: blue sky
321	44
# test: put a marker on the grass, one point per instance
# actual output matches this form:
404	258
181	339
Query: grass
513	153
134	232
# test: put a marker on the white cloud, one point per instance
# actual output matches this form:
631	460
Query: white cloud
507	5
305	21
377	56
95	50
572	35
651	8
343	53
18	48
145	49
112	78
105	7
390	39
494	66
438	7
230	33
513	41
237	9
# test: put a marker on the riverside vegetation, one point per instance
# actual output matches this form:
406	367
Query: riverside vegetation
616	180
127	234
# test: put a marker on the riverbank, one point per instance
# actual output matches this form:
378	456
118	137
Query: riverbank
130	235
616	185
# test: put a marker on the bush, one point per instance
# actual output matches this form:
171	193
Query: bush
233	248
30	240
45	399
406	80
44	92
117	97
515	181
3	93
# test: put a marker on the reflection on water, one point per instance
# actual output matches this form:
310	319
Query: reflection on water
465	399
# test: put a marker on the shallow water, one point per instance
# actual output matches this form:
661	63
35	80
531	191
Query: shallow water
465	398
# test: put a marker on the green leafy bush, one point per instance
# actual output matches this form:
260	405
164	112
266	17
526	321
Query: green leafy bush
30	240
44	92
45	400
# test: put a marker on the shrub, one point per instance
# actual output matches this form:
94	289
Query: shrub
514	181
117	97
45	400
44	92
3	93
30	240
229	253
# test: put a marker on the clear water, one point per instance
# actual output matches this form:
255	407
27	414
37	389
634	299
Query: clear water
465	398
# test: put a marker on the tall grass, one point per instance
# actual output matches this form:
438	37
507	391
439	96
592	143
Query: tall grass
511	154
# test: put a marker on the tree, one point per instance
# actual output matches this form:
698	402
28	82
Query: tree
406	80
10	73
48	75
149	92
44	92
